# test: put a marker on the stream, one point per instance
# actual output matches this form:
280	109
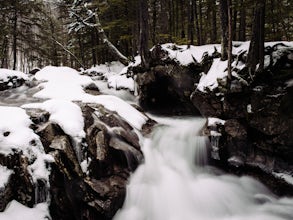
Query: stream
176	182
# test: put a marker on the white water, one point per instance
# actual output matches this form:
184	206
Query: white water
175	183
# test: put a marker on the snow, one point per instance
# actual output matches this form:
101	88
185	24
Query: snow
125	110
185	55
5	74
14	129
115	75
15	134
121	82
65	113
66	84
4	176
17	211
289	83
249	108
61	82
210	80
288	178
110	67
215	121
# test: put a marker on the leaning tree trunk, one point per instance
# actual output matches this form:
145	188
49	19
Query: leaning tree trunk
256	48
224	27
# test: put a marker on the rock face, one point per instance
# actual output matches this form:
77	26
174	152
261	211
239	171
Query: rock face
91	182
167	86
257	108
259	120
88	177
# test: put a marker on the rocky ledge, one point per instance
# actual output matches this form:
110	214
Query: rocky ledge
87	176
252	117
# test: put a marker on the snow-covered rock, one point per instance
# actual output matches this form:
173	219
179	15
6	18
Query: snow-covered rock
11	79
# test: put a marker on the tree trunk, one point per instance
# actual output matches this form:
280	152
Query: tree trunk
214	22
202	41
94	45
4	63
197	25
242	23
190	22
144	34
224	27
256	48
154	31
14	45
182	19
234	21
229	5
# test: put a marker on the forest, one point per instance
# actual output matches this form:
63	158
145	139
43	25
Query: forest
66	32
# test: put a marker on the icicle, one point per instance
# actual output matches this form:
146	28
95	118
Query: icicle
41	191
79	147
215	138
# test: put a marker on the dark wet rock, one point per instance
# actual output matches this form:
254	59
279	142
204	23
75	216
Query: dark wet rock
34	71
167	88
259	125
111	151
20	186
12	82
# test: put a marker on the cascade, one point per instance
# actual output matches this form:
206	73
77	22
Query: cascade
42	191
175	182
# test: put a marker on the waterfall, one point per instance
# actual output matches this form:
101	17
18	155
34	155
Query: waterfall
42	191
175	182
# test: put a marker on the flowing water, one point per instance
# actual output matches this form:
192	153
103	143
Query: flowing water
176	183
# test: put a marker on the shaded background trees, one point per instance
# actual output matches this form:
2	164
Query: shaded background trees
36	33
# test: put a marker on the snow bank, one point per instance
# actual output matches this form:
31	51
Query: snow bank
17	211
6	74
4	176
61	82
15	135
125	110
185	55
66	114
14	130
114	73
210	80
104	69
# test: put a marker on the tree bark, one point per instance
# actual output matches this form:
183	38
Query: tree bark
214	22
229	5
224	27
197	25
256	47
242	23
14	45
144	34
190	22
154	28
